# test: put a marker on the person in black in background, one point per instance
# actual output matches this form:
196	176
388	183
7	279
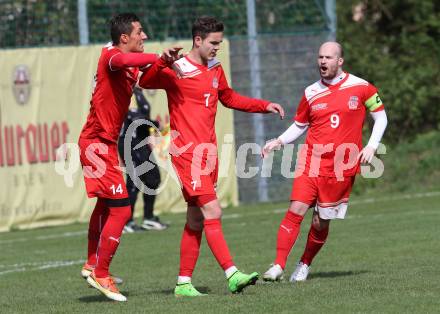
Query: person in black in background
151	179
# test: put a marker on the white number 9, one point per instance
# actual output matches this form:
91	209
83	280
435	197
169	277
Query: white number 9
334	121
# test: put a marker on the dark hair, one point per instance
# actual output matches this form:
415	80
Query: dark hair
205	25
121	24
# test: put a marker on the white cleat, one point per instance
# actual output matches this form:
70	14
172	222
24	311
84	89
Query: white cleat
301	272
274	273
107	287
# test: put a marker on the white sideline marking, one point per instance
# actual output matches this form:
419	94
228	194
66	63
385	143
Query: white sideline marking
232	216
63	235
39	266
46	237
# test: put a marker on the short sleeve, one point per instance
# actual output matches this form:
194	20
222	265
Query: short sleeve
302	112
372	100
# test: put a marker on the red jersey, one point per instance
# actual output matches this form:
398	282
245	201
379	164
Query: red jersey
335	115
115	79
192	100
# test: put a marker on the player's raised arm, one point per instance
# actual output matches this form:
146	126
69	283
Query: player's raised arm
231	99
154	77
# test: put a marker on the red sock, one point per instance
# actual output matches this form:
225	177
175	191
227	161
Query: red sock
97	221
315	241
216	242
189	250
110	237
287	235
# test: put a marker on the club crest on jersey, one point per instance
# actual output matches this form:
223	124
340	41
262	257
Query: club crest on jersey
353	103
215	82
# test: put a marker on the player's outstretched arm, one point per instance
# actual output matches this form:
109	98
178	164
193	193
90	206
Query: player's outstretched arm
275	108
153	77
290	135
171	54
131	59
231	99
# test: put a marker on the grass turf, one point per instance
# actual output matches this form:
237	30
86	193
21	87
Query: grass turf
382	258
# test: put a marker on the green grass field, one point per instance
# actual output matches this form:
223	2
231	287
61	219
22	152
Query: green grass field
382	259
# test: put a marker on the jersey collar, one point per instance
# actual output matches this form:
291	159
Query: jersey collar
338	83
201	67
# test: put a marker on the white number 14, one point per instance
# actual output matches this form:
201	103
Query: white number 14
117	189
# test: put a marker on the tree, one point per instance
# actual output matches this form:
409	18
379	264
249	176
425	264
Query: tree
395	45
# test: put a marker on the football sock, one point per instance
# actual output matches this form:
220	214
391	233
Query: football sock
315	241
287	235
183	279
217	243
230	271
110	237
97	221
189	251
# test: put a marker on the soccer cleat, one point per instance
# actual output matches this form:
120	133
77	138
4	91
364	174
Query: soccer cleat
154	223
274	273
301	272
106	286
238	281
187	290
88	269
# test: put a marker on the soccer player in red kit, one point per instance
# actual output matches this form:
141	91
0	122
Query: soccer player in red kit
117	74
194	88
333	110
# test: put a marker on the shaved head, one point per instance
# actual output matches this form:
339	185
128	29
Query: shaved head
330	60
334	47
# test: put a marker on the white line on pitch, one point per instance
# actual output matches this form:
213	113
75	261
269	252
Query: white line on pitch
43	266
46	237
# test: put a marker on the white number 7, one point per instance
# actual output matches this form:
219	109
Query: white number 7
206	99
194	183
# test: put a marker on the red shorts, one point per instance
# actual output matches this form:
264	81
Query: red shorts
101	171
327	194
198	177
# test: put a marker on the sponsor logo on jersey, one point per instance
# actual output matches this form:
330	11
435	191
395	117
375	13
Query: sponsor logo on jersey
215	82
21	87
353	103
320	106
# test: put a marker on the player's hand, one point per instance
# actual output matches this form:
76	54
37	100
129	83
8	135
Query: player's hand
366	154
270	146
275	108
171	54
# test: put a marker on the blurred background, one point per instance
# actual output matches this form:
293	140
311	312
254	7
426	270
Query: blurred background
273	46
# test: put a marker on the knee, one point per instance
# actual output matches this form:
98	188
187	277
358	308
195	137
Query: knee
298	208
195	223
320	224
